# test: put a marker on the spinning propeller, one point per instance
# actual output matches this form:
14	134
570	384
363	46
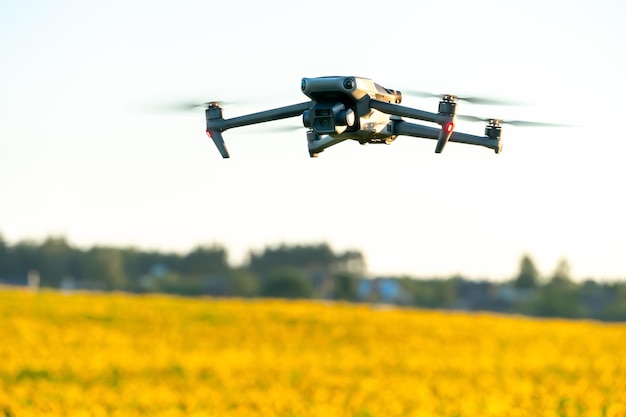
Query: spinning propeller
467	99
523	123
193	105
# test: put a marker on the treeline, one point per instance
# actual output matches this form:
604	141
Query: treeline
528	292
302	271
283	271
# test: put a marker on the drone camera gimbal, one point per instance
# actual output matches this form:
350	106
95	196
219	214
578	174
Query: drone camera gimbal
328	118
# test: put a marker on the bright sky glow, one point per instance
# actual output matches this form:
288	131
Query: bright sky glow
87	152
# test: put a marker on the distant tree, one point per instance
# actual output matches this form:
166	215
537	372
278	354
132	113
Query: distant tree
298	256
562	275
350	262
560	297
528	275
56	260
21	258
446	291
204	261
243	283
4	257
345	287
615	310
330	274
421	292
174	283
132	263
104	266
287	282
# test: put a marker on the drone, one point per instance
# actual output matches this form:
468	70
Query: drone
356	108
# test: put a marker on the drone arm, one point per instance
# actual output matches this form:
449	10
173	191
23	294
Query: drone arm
317	143
445	117
216	124
218	140
400	127
403	111
260	117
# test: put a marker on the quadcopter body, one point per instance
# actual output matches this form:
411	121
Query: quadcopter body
356	108
341	109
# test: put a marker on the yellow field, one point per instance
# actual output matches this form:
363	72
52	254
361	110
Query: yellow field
122	355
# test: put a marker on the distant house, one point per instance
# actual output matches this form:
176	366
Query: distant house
380	289
155	273
485	295
322	282
68	284
474	295
31	280
14	281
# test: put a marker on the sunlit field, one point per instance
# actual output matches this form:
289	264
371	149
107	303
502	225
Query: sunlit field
124	355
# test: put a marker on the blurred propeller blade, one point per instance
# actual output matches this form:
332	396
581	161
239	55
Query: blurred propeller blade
423	94
173	106
471	118
191	105
523	123
534	124
468	99
490	101
188	106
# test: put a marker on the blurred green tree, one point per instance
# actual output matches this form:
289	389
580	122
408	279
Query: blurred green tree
560	297
205	260
244	283
57	259
21	258
4	257
528	275
562	275
287	282
615	309
175	283
298	256
345	286
103	267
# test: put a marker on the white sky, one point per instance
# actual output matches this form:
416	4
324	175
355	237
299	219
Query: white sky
85	154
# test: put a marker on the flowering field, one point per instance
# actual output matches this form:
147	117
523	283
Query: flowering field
123	355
